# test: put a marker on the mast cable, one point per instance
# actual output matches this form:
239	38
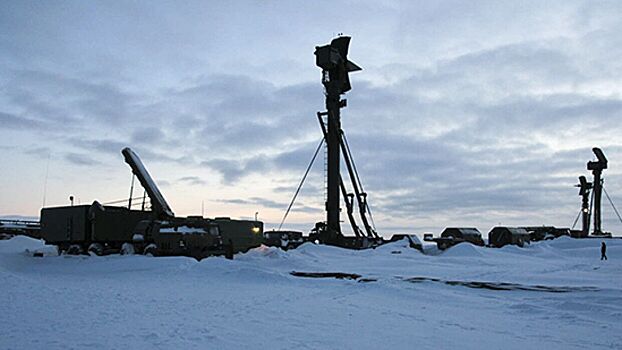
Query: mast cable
577	219
610	201
317	150
589	219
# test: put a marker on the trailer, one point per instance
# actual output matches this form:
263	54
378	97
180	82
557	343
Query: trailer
91	228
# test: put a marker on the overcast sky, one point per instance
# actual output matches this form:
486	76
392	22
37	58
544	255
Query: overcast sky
465	113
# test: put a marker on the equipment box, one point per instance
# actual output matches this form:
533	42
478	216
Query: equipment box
65	224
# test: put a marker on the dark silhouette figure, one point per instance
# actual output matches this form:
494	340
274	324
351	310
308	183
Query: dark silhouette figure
229	250
603	251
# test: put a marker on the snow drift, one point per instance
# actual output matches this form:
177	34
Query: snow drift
410	300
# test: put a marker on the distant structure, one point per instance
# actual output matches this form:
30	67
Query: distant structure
591	199
597	168
585	189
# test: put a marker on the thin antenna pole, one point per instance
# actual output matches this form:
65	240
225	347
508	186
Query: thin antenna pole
144	197
129	204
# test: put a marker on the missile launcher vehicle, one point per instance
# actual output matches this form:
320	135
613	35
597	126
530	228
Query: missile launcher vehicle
100	229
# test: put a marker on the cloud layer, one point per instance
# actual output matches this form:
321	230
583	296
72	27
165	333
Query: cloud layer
464	114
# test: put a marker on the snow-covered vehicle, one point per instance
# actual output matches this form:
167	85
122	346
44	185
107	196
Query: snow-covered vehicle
539	233
413	241
465	234
501	236
454	235
283	239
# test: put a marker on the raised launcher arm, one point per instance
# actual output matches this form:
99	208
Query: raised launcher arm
158	203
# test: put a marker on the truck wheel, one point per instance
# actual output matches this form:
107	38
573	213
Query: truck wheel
95	249
74	249
127	249
151	250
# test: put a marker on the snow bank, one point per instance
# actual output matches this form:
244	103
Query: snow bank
137	302
19	244
464	250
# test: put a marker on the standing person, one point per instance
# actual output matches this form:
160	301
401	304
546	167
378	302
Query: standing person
603	251
229	250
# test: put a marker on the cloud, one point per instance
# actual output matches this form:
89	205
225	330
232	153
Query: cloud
148	135
114	147
80	159
63	99
102	145
10	121
234	170
268	203
476	112
287	161
192	180
163	183
39	152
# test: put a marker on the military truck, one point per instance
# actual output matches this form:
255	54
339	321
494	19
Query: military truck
500	236
100	229
463	234
454	235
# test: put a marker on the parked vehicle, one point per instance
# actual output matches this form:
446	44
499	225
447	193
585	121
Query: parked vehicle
413	241
539	233
283	239
466	234
501	236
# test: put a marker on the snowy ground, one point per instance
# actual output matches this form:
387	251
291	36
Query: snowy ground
136	302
